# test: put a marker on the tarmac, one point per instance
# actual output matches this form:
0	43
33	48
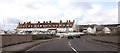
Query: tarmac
110	41
24	46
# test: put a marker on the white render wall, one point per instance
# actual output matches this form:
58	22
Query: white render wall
44	29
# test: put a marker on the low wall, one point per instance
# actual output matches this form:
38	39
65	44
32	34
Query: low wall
42	36
113	39
15	39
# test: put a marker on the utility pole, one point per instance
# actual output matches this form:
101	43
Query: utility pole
4	22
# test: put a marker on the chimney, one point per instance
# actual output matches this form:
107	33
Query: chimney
29	22
19	22
73	21
69	20
60	21
24	22
49	21
38	21
46	21
43	21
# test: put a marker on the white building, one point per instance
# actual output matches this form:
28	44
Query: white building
51	27
106	30
91	30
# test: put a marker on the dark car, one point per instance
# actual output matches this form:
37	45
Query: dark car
70	37
78	36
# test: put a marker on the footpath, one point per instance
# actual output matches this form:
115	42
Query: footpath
110	41
24	46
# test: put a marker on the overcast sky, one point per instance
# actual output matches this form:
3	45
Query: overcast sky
83	12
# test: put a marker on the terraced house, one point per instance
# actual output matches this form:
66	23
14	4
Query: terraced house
47	26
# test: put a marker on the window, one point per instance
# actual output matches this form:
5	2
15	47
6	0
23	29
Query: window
63	25
53	25
67	25
46	25
23	26
28	25
31	26
34	25
40	25
37	25
60	25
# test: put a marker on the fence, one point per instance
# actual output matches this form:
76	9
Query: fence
15	39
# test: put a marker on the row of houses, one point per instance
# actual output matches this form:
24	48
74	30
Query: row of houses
54	27
46	26
97	28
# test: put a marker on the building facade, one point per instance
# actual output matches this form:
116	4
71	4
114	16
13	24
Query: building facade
47	26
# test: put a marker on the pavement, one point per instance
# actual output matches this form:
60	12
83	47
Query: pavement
24	46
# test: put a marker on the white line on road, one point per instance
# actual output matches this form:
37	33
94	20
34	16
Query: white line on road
74	49
69	42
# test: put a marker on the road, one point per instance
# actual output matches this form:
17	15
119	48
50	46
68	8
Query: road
74	45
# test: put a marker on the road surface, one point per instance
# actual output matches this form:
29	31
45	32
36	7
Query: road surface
74	45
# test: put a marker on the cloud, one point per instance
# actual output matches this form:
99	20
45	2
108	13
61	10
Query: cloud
12	20
54	10
102	17
97	0
82	5
95	9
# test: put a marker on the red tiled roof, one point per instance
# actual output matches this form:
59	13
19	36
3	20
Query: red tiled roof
63	23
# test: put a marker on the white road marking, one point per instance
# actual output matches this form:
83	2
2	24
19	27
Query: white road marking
74	49
69	42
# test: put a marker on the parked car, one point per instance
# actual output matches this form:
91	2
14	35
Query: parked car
78	36
70	37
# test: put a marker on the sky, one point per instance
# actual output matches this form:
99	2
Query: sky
82	11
